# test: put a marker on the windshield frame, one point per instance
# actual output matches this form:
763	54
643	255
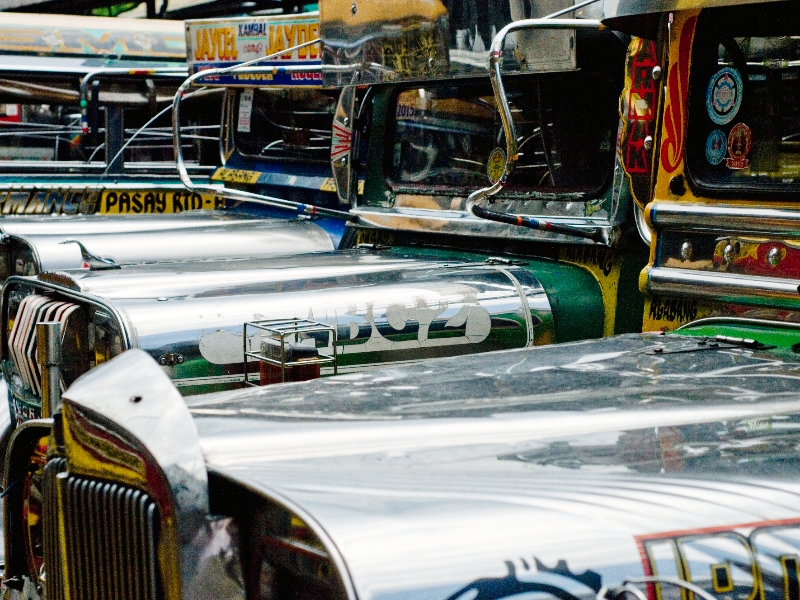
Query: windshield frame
700	176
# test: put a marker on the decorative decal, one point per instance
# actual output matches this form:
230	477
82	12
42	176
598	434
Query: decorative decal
677	93
342	140
558	582
747	561
716	146
641	100
724	95
740	140
496	165
245	110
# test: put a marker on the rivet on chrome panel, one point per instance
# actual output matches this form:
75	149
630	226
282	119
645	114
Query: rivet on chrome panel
774	257
729	253
648	142
656	73
687	252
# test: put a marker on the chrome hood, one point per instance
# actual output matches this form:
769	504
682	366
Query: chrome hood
557	470
384	307
79	224
155	240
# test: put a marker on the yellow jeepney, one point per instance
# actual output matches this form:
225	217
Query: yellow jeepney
726	157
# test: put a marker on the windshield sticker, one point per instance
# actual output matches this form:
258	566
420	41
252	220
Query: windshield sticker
716	146
740	141
245	110
496	165
724	95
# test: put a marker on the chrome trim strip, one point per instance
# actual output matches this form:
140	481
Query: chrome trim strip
704	284
98	186
526	307
740	321
464	223
721	217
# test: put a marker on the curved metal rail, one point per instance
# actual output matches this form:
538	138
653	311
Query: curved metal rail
242	196
510	133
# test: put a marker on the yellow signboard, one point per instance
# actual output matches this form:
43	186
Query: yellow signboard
236	175
137	202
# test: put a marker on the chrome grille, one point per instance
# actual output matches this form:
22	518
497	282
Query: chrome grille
110	538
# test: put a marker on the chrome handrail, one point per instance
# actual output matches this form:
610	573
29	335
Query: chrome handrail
91	75
240	195
509	131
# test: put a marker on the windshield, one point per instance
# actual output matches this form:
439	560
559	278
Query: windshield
285	124
46	126
744	123
448	139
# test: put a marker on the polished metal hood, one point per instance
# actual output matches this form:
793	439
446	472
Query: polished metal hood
154	240
556	470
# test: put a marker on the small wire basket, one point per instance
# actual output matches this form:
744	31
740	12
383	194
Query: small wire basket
282	334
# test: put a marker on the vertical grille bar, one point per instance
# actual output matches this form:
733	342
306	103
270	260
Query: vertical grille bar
111	538
50	539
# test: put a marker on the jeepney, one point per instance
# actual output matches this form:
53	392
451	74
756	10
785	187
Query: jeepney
725	155
73	93
637	467
420	131
452	283
211	323
276	124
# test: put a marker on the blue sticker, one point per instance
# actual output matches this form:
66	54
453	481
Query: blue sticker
716	146
724	95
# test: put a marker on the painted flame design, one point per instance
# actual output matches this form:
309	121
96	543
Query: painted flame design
677	94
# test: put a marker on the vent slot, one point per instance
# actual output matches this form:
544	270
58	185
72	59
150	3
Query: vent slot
110	538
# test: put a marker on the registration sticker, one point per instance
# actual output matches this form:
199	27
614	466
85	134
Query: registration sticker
496	165
724	95
740	141
716	146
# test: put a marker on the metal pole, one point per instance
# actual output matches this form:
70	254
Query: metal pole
48	345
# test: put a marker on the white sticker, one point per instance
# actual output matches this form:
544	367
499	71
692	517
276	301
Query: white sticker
245	110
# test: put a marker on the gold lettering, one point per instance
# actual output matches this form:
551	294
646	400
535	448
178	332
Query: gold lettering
289	32
313	33
302	38
198	53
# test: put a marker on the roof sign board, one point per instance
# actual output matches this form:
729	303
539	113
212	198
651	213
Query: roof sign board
419	40
221	43
67	35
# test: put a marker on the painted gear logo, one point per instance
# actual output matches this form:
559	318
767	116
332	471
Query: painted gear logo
724	95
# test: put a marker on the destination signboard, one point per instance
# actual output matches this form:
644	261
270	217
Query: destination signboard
219	43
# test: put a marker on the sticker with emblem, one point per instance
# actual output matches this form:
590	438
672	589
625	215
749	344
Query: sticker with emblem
716	146
724	95
496	165
740	140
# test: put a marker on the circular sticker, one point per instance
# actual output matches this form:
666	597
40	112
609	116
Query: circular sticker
716	146
496	165
740	140
724	95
